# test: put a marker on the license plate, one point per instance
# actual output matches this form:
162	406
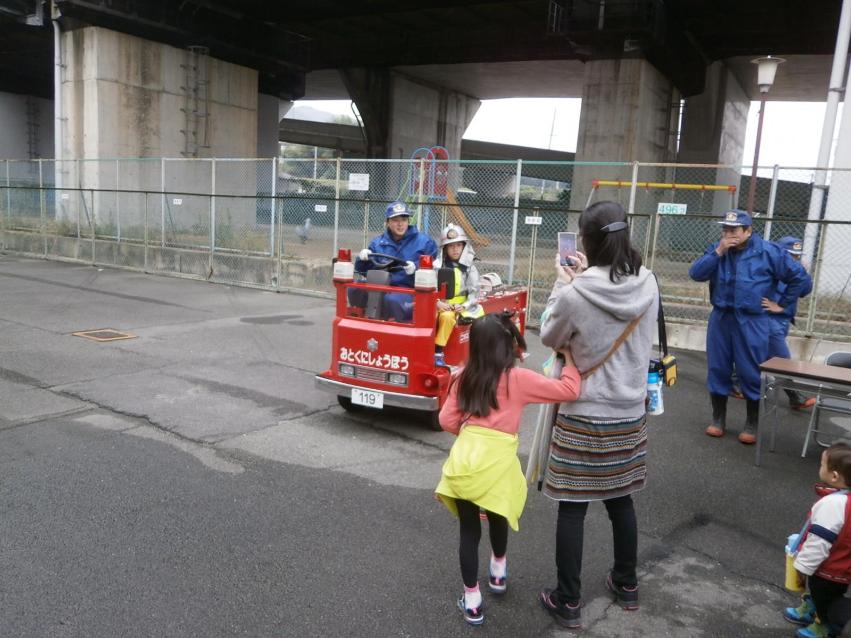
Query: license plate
368	398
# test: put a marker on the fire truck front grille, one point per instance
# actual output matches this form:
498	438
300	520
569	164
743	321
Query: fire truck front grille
370	374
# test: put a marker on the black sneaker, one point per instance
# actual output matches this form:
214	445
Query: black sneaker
472	616
626	597
565	615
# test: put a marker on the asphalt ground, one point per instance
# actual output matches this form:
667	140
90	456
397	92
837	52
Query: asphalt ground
193	482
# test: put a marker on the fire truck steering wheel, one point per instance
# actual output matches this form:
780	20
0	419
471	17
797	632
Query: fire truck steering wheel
385	262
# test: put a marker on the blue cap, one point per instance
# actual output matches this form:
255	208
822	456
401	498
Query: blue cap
396	209
736	218
793	245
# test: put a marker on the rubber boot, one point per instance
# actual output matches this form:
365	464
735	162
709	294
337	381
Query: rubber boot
748	435
797	400
719	415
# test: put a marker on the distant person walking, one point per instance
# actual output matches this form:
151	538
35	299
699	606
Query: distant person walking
303	231
483	472
742	270
604	311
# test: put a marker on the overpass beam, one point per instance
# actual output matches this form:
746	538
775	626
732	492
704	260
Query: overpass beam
401	114
626	116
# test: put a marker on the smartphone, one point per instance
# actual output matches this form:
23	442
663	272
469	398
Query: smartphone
567	248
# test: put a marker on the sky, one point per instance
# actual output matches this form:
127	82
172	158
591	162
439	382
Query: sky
790	134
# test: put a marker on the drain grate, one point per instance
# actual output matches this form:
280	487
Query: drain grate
104	334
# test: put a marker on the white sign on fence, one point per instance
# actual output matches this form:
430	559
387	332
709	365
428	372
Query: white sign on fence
534	220
321	208
358	181
671	209
177	201
65	196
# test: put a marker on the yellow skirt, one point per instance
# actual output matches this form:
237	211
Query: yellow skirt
483	468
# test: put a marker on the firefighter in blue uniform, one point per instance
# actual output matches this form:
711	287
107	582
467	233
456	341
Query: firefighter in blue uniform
403	241
783	316
742	269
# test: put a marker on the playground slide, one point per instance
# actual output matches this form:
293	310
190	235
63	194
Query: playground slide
456	214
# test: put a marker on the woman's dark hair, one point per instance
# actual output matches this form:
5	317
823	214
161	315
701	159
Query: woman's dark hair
605	239
494	340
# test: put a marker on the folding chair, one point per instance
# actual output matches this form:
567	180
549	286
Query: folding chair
832	405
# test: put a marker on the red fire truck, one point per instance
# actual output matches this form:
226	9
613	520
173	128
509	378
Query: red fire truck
377	361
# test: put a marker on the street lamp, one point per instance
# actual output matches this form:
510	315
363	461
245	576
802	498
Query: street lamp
767	69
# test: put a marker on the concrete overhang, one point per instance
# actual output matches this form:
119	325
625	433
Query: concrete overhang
802	78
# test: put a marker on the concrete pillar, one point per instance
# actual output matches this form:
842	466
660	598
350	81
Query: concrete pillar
713	132
835	276
626	116
270	112
424	116
27	125
124	96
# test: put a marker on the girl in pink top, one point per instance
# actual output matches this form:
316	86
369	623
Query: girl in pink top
483	408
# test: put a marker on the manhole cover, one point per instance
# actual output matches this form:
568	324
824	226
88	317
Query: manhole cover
104	334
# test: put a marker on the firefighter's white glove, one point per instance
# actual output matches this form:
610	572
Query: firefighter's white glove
364	254
410	268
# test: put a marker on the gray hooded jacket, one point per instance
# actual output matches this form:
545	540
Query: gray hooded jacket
589	315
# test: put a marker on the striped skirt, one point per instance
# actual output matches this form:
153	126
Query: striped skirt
594	458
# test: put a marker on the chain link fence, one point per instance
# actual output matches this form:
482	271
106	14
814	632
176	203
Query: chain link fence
276	223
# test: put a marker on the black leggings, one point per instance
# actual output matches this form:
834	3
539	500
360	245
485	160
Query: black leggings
825	593
569	538
471	534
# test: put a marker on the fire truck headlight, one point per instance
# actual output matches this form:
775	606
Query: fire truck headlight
346	370
397	378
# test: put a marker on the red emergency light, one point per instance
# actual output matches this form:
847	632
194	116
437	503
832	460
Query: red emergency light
425	261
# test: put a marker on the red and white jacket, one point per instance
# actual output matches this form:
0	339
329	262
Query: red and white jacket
826	549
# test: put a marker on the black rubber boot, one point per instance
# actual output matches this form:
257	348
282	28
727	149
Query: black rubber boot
719	415
748	435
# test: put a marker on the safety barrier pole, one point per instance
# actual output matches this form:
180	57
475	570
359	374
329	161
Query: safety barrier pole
272	211
145	263
514	222
365	221
772	198
337	206
212	217
91	219
533	247
42	203
162	207
819	248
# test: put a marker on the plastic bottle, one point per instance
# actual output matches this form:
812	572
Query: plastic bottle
791	580
654	394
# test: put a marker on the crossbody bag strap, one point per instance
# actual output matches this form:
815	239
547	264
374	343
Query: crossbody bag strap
617	344
660	319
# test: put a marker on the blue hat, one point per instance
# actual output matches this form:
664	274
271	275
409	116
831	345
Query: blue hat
736	218
793	245
396	209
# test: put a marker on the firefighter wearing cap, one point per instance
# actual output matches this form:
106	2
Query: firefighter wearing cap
742	269
783	316
456	253
405	242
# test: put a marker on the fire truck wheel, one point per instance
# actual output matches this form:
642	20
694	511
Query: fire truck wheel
347	405
434	420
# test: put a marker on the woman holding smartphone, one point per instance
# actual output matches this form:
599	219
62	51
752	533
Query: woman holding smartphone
604	310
